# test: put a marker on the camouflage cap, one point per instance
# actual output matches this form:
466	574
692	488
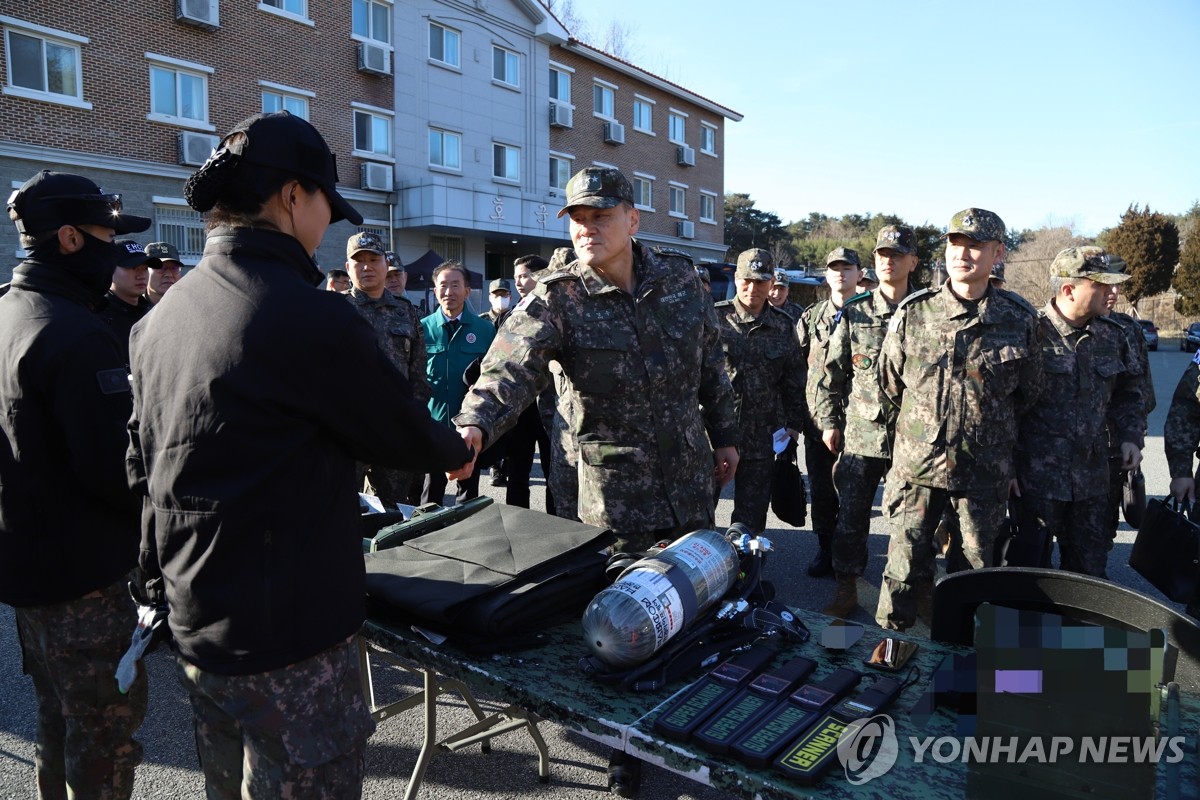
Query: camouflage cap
980	225
869	276
900	238
365	240
703	273
843	254
755	264
500	285
598	187
780	278
998	272
394	262
1087	262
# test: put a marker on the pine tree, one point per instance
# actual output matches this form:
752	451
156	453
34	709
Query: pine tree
1149	243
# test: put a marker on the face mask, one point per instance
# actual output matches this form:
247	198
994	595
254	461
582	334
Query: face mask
500	303
93	264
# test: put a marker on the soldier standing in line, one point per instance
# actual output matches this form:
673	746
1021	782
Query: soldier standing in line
778	296
1181	433
855	418
870	279
765	367
165	269
961	363
397	279
1062	444
66	557
640	350
842	273
398	331
1139	365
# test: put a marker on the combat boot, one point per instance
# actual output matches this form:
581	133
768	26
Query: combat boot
821	565
845	597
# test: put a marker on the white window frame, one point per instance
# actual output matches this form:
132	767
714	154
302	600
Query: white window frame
444	132
285	93
509	152
608	90
711	197
190	69
56	37
708	130
674	116
457	35
375	113
638	179
561	158
648	104
189	222
568	73
512	60
303	18
371	22
677	190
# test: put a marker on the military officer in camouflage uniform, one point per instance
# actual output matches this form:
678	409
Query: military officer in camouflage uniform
646	389
1139	365
870	280
1062	444
842	273
778	296
855	418
962	365
764	364
398	331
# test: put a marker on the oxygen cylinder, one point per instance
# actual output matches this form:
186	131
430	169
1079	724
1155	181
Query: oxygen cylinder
658	596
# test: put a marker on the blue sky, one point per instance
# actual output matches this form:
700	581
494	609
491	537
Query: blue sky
1046	112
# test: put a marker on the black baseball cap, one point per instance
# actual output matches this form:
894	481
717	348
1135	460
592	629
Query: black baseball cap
290	144
49	200
131	254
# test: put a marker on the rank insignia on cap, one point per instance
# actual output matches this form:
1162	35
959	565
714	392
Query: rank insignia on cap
968	221
892	236
594	182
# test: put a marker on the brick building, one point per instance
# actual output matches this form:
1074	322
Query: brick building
447	117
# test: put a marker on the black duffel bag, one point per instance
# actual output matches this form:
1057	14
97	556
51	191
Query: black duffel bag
1167	550
789	501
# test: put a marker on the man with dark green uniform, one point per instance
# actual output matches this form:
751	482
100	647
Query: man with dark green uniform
842	273
855	418
765	366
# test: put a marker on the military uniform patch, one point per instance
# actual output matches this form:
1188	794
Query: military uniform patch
862	361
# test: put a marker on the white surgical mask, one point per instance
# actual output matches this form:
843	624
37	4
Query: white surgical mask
500	302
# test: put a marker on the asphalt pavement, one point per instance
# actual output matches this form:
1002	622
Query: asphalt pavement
170	769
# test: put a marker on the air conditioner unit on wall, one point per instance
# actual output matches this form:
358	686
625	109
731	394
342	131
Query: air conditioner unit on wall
614	133
201	13
374	58
560	116
377	177
686	156
686	229
195	148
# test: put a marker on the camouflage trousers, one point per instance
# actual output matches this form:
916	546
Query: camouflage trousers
752	492
1116	495
85	746
823	496
298	731
391	486
563	481
1081	528
856	478
913	514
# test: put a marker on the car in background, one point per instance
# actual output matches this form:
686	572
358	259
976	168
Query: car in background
1190	342
720	279
1150	331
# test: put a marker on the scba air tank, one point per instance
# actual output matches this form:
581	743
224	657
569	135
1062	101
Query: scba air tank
658	596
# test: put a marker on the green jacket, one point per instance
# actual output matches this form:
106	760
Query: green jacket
446	359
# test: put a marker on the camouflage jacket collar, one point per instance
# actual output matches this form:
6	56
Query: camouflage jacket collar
361	298
743	314
987	308
648	271
1064	329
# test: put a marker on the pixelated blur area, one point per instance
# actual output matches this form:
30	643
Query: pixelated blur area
1042	676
